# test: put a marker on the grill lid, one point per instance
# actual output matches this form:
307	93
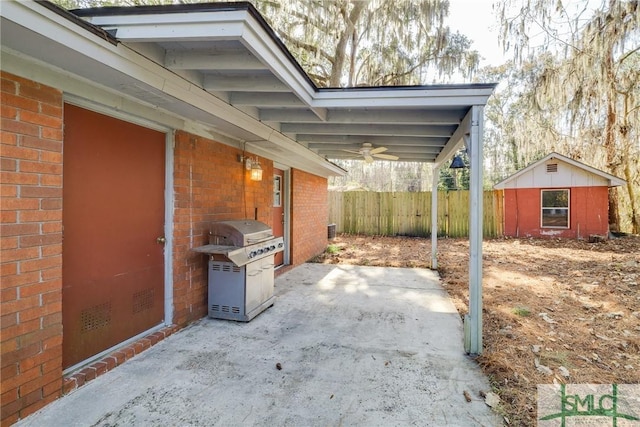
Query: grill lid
239	233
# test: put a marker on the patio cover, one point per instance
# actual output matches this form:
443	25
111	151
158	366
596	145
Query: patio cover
220	71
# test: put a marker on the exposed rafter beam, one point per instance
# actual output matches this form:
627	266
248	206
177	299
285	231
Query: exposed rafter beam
392	150
347	116
261	99
208	60
321	113
244	83
363	129
375	140
402	157
288	115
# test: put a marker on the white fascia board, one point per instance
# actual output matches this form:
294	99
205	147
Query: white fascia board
385	97
168	32
221	25
399	101
443	91
258	42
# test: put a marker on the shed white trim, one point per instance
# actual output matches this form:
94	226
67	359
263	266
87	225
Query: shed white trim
583	181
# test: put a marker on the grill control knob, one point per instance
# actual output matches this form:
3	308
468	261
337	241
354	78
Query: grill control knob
272	247
280	244
252	254
259	251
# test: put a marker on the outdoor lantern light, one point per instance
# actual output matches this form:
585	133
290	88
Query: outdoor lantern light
457	163
253	166
256	171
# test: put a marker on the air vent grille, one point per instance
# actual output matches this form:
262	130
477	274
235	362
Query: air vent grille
552	167
96	317
143	300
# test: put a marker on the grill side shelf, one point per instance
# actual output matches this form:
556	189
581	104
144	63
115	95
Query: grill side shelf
215	249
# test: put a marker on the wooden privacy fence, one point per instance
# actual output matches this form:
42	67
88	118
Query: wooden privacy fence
409	214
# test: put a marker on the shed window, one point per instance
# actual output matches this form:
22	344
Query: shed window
555	208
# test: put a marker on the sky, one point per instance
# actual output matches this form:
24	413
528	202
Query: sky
475	19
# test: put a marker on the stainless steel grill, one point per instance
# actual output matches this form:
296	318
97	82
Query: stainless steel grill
241	268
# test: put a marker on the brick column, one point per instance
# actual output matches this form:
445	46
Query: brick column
309	215
31	252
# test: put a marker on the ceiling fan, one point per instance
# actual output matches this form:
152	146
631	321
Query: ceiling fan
368	152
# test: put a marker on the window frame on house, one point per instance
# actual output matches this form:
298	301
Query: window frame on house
567	208
277	191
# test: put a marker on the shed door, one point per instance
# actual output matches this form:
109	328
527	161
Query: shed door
113	215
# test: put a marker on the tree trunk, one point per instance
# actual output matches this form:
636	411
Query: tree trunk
341	47
635	215
610	143
352	62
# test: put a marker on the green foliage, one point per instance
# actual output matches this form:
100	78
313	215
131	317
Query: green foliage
332	249
521	311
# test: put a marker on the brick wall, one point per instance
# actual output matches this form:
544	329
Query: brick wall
31	253
309	216
210	185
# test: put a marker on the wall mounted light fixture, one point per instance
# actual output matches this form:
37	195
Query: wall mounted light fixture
256	171
253	166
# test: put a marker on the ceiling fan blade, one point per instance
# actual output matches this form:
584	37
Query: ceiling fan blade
351	151
378	150
368	158
386	156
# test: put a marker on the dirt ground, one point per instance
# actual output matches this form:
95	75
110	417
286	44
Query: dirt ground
562	311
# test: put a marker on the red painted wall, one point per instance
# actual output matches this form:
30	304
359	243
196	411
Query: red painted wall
588	215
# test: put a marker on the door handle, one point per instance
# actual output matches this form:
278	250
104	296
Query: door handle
162	240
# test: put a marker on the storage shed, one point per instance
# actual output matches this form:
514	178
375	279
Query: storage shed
557	197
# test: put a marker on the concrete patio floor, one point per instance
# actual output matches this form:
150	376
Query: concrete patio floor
358	346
